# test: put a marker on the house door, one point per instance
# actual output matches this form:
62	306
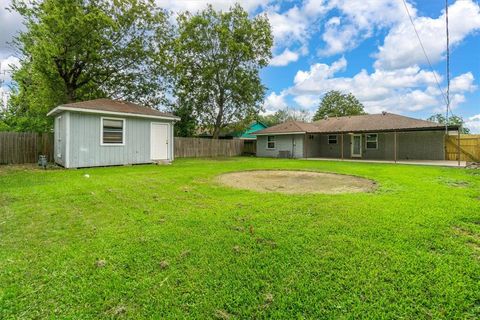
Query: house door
357	145
159	141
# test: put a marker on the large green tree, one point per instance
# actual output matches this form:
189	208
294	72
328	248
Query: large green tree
217	59
284	115
452	120
338	104
76	50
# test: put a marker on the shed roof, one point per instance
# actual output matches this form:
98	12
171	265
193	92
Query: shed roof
361	123
108	106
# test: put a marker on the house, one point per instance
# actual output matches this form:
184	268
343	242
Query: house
228	133
253	127
106	132
384	136
249	139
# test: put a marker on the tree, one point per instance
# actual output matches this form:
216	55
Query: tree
187	126
452	120
338	104
284	115
217	58
76	50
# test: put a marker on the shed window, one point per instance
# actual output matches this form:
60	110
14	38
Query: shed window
113	131
270	142
332	139
371	140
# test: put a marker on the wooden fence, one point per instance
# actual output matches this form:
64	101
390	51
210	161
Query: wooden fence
469	147
199	148
24	147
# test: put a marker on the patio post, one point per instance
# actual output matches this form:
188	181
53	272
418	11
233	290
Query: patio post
341	147
458	146
305	145
395	146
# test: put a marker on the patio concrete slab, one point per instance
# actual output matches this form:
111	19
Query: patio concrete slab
441	163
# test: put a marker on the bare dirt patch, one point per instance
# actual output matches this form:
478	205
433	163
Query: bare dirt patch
296	182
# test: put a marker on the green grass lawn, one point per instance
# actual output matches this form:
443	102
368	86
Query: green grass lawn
169	242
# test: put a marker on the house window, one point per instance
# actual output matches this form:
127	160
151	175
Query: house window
270	142
332	139
371	140
113	131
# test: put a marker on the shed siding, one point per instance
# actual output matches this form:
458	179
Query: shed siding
86	150
288	142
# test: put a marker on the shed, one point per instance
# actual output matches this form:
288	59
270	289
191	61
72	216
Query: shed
106	132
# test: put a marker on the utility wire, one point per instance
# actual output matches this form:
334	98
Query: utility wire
448	66
426	56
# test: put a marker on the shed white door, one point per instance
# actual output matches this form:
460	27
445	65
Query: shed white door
59	134
159	141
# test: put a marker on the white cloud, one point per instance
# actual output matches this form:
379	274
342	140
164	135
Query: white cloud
275	102
401	47
402	90
288	27
7	64
338	37
10	24
307	101
293	28
357	21
463	83
473	123
319	72
284	58
314	8
6	68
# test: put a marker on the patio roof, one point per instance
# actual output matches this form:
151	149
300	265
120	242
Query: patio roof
383	122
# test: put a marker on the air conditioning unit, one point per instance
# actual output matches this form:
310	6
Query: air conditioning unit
284	154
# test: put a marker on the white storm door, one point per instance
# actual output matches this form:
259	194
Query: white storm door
159	141
356	145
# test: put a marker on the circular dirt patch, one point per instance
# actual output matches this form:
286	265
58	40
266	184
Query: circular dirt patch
296	182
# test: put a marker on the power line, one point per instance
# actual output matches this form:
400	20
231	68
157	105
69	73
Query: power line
448	66
426	56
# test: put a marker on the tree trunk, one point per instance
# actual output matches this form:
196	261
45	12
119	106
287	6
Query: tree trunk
218	124
219	119
71	94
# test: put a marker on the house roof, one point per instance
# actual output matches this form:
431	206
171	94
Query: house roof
288	127
117	107
360	123
255	126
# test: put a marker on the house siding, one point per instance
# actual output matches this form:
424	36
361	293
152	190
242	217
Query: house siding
428	145
85	149
416	145
288	142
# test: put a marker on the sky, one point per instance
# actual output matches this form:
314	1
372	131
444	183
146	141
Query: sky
366	47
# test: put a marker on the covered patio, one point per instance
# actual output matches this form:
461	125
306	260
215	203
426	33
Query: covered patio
407	145
372	137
